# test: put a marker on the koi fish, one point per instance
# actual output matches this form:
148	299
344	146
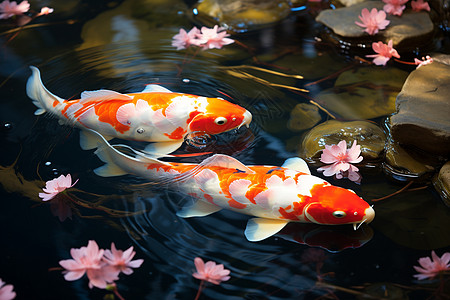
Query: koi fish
274	195
154	115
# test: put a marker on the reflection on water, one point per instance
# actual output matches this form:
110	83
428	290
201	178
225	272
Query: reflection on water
127	211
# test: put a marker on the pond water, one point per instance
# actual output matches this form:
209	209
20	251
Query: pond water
105	47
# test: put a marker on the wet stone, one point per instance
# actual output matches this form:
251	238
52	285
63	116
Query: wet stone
366	93
241	16
400	165
304	116
409	30
441	183
369	136
422	119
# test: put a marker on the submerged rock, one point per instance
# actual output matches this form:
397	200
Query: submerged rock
441	183
366	93
423	109
411	220
304	116
241	15
369	136
411	29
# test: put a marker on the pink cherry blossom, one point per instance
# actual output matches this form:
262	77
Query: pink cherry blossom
425	61
373	21
55	186
385	52
6	291
420	5
9	9
394	7
211	38
89	260
429	268
184	39
45	11
210	271
121	260
341	159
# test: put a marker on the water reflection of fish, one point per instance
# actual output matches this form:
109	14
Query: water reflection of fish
332	239
153	115
274	195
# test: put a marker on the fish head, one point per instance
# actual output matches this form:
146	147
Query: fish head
333	205
220	116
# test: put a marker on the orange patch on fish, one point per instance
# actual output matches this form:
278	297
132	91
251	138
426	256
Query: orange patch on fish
233	203
107	113
297	211
177	134
208	198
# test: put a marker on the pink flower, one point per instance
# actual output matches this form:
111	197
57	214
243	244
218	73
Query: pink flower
211	38
45	11
6	291
420	5
89	260
385	52
210	271
394	7
425	61
430	268
55	186
341	159
373	21
184	39
122	260
9	9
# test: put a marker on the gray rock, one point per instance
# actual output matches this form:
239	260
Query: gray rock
423	109
411	28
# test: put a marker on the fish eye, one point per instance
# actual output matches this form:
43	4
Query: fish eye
339	214
220	121
140	130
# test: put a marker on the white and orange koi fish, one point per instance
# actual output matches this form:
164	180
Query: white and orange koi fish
153	115
274	195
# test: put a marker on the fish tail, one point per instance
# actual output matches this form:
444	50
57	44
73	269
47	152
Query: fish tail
41	97
116	162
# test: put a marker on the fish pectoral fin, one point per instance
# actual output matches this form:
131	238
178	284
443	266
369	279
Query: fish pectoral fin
297	164
89	141
161	149
155	88
260	228
199	209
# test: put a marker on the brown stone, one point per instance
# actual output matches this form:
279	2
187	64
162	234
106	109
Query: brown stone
423	110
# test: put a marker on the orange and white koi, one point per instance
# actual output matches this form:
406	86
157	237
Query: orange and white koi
274	195
153	115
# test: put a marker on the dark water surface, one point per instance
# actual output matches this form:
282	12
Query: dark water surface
125	210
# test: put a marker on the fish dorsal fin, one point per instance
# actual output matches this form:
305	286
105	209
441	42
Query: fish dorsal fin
199	209
155	88
259	228
102	95
225	161
297	164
